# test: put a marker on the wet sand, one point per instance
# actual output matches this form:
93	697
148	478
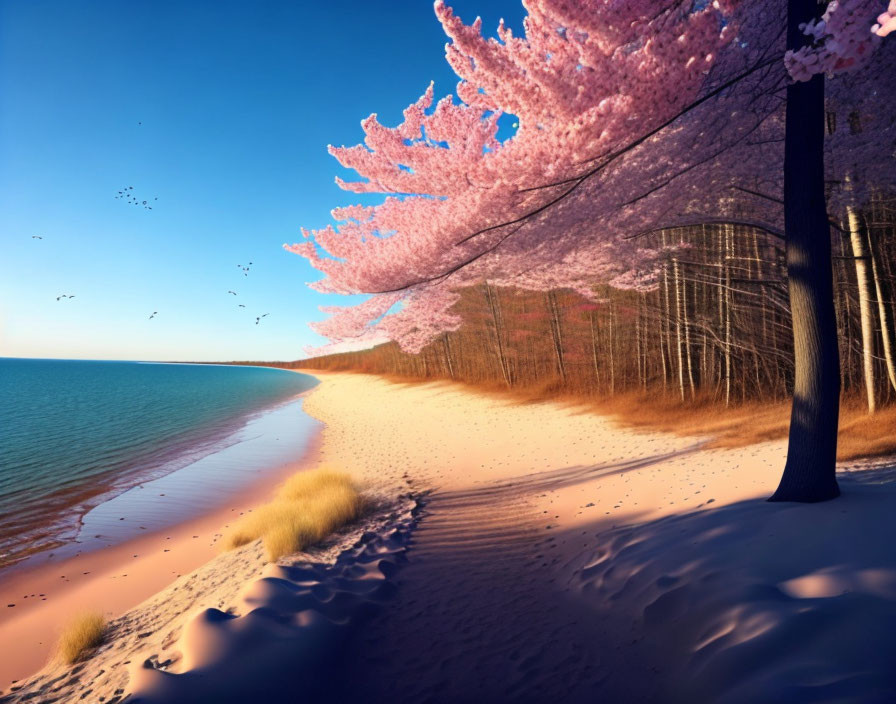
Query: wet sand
111	579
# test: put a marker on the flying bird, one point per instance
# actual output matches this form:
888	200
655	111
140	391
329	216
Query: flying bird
36	237
233	292
241	305
154	314
62	296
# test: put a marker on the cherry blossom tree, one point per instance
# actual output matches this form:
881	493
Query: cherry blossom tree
459	177
630	118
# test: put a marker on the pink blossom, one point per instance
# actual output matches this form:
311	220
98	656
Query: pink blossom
629	119
886	22
842	39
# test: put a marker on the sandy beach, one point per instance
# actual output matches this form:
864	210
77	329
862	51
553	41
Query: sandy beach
37	601
448	352
556	556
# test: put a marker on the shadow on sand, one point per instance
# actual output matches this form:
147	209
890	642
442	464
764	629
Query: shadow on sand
748	602
757	602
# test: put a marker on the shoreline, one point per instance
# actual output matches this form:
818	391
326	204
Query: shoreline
117	577
558	555
47	513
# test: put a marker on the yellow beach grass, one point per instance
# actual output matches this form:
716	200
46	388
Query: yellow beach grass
308	507
80	636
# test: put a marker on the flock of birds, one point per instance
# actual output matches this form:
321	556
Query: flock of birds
244	269
127	194
128	197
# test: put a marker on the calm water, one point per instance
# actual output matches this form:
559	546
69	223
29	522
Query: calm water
80	440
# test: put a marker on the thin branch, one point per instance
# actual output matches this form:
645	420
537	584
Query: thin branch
760	195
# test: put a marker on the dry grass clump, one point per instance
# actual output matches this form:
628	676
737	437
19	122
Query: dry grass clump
81	636
309	507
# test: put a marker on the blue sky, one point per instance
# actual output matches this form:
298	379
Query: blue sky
222	110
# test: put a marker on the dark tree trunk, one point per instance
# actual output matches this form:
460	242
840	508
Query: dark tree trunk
809	474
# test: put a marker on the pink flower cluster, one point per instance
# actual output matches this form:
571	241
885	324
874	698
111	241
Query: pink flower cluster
842	39
629	116
886	22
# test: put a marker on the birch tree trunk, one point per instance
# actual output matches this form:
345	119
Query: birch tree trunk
863	279
727	302
556	332
492	299
611	347
679	337
594	355
883	310
641	345
667	322
447	346
662	347
686	326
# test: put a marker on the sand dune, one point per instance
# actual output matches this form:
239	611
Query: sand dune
559	558
287	625
161	636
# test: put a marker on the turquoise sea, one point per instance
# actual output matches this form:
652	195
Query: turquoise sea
94	452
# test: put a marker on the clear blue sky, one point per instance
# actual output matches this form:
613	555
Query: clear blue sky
237	101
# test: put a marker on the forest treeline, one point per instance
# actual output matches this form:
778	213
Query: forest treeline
716	326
